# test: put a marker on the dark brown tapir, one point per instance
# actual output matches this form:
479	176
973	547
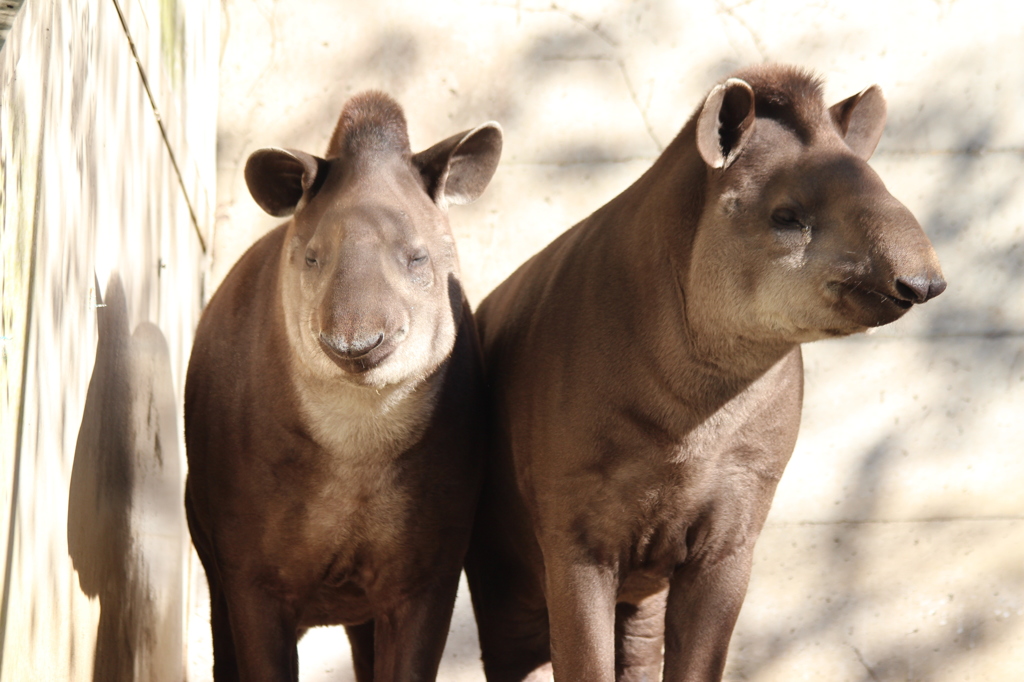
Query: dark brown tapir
645	381
331	405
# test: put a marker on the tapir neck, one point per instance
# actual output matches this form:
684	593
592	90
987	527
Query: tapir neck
661	212
350	421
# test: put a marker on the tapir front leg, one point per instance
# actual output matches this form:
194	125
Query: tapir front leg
409	638
225	662
581	613
360	638
703	605
509	605
639	637
265	636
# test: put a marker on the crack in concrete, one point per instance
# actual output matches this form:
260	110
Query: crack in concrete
271	18
612	43
860	657
731	12
596	31
556	9
581	21
641	110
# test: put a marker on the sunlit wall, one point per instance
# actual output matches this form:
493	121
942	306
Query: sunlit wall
107	112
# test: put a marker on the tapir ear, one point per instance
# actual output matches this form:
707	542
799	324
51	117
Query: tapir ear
861	119
277	178
725	122
457	170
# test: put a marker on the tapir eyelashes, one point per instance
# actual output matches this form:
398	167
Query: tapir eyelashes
787	218
418	258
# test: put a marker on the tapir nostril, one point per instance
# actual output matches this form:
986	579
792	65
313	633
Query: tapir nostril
912	289
919	289
354	348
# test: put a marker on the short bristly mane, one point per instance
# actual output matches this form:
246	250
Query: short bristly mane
790	95
370	121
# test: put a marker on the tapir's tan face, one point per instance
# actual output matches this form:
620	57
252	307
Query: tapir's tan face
801	239
370	263
369	273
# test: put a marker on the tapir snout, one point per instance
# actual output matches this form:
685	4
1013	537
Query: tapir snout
901	267
358	353
916	273
360	335
362	317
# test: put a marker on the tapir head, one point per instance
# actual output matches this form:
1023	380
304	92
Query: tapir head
369	276
798	235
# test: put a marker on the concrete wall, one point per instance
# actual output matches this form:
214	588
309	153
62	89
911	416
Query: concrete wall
106	185
895	549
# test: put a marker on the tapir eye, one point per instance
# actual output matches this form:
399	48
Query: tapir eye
418	257
787	218
311	258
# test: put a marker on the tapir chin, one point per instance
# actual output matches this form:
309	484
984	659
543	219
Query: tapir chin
645	381
331	405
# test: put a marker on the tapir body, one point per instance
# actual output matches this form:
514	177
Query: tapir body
331	408
645	381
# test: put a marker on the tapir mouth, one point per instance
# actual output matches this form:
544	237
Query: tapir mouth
871	307
362	363
898	302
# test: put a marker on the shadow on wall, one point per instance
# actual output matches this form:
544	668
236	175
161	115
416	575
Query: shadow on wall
125	525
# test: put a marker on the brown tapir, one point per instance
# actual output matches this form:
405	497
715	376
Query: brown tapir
331	405
645	380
